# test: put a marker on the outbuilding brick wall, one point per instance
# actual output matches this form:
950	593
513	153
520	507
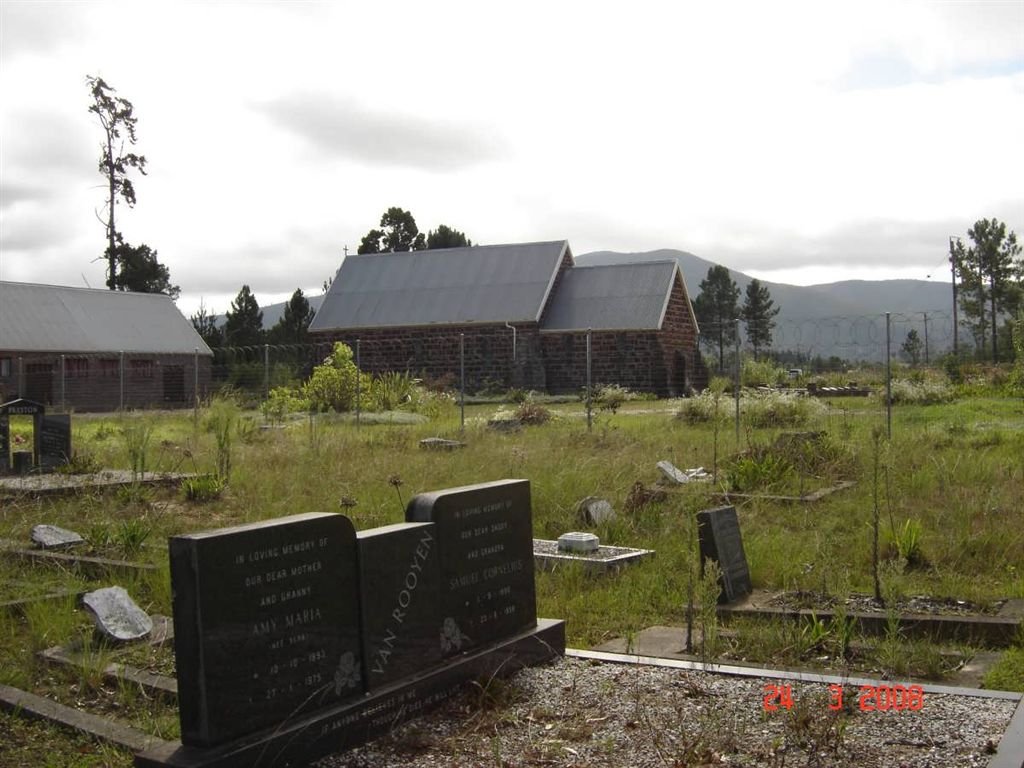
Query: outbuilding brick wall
93	382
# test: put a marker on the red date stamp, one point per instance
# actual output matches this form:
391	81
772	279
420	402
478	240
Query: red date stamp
870	698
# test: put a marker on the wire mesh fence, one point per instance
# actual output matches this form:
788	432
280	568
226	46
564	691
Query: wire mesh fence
860	367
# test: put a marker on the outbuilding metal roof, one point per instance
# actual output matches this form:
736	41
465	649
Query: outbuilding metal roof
450	286
52	318
614	297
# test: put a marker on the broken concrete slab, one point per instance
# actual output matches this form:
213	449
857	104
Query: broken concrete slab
54	537
116	615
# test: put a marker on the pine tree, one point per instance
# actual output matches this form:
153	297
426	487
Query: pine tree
293	327
244	326
758	314
206	326
717	309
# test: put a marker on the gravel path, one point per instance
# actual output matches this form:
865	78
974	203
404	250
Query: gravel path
580	713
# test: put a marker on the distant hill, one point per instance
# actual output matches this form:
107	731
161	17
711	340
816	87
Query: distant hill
845	319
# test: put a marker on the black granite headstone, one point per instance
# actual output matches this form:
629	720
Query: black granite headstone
266	624
399	568
720	540
485	543
5	444
54	441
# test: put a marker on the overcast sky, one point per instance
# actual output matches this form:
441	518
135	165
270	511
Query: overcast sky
799	142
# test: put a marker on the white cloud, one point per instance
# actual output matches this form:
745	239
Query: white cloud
761	135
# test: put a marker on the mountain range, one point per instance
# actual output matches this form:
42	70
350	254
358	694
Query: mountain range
845	319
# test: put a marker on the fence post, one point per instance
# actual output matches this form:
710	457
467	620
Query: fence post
925	337
590	420
888	375
195	384
121	380
359	383
266	372
63	391
736	382
462	383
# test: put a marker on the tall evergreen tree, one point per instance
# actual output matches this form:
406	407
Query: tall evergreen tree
244	326
990	271
398	232
446	237
293	327
758	313
141	272
206	326
716	309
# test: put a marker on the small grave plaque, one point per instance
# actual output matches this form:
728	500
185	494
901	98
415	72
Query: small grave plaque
485	543
720	540
398	566
54	537
266	624
54	436
116	615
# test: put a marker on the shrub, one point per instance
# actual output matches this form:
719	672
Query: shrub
702	408
755	372
532	413
759	468
921	393
779	409
284	401
391	390
333	383
202	489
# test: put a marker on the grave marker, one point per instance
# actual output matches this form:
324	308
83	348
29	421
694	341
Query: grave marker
485	544
399	565
720	540
53	436
266	623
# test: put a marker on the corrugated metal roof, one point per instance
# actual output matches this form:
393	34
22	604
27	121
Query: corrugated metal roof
612	297
450	286
53	318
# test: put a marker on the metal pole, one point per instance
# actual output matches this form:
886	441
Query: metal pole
888	375
462	382
590	419
925	337
266	371
359	386
195	383
63	385
956	333
121	378
736	382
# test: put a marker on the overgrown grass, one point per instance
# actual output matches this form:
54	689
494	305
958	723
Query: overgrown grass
944	468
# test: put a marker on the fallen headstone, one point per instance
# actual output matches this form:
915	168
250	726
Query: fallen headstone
54	537
672	473
440	444
116	614
577	541
594	511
